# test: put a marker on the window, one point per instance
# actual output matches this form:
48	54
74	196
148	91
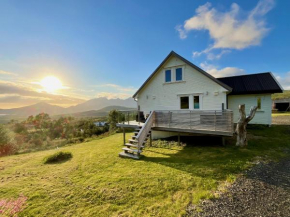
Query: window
196	102
259	102
168	75
184	102
178	74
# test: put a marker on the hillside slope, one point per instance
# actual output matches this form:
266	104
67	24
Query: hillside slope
96	182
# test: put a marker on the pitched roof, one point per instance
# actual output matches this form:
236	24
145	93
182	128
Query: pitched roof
172	53
253	84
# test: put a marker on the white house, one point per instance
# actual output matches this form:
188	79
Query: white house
186	99
178	84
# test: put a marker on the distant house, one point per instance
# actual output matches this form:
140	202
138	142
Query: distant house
281	105
182	98
100	124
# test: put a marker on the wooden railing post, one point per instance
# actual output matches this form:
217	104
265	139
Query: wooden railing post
128	117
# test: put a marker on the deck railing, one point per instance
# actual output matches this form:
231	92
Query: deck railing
203	120
143	133
125	116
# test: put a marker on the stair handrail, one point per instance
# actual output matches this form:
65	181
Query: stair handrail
141	136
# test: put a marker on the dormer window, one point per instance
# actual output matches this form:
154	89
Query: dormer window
178	74
168	75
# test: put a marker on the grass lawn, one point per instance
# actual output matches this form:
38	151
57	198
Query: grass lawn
281	114
96	182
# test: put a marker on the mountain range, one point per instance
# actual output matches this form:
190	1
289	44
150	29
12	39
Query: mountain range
90	106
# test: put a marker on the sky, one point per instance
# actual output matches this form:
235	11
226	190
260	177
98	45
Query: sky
66	52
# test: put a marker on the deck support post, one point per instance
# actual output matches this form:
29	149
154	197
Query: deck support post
223	141
178	139
124	136
151	139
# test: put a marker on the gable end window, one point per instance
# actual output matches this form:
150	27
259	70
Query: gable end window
178	74
259	102
168	75
184	102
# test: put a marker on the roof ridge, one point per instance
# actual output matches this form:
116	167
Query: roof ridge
245	75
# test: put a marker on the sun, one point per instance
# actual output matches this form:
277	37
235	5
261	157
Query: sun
51	84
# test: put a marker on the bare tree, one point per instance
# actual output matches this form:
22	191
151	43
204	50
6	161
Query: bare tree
243	121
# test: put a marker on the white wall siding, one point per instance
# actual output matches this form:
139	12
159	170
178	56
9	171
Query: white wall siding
263	116
158	95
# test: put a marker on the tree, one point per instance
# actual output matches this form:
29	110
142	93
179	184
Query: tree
243	121
113	119
7	145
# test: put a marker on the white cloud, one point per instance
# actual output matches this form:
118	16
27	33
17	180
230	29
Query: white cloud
229	30
224	72
118	87
109	95
284	80
7	73
25	94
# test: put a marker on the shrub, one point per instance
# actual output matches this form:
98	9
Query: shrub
57	157
7	143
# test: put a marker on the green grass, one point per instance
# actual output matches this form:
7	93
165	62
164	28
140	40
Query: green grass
285	94
96	182
281	114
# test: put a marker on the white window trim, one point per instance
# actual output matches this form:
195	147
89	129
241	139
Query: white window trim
200	101
180	102
173	74
191	101
167	82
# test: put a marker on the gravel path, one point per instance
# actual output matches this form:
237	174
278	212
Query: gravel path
281	120
263	191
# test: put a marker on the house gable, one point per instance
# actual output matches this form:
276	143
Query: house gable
157	94
182	61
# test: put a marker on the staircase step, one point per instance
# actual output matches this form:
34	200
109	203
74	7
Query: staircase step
132	150
133	140
131	145
134	137
128	155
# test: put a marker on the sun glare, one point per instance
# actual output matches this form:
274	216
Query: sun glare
51	84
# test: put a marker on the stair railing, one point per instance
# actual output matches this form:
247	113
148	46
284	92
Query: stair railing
145	129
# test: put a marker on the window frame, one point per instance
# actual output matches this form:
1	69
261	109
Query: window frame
175	69
180	103
173	74
199	102
165	74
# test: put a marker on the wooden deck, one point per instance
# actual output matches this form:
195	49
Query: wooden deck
197	122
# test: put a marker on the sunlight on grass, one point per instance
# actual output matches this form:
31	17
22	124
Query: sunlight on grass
96	182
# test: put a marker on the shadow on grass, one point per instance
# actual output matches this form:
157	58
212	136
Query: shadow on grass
206	157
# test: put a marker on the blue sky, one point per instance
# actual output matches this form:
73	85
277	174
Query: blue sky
109	48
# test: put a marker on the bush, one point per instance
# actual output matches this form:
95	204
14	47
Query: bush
57	157
7	143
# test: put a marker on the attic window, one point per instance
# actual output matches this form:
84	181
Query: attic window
178	74
259	102
168	75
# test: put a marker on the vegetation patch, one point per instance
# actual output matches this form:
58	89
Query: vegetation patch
97	182
58	157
